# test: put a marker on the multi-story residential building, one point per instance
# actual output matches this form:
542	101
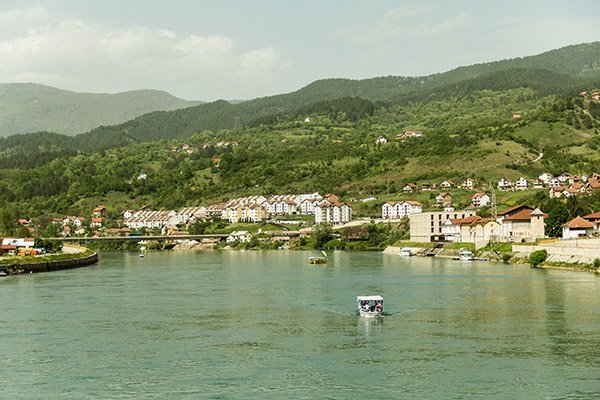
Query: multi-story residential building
474	229
151	219
427	226
333	213
283	204
400	209
307	206
254	213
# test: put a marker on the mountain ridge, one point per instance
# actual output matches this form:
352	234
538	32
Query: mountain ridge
31	107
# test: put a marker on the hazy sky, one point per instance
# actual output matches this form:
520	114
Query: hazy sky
228	49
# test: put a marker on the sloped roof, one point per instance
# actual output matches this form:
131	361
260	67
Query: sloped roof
594	216
525	215
578	222
515	209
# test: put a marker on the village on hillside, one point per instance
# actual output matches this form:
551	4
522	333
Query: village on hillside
294	216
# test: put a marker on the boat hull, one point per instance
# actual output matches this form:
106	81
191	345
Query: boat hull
370	314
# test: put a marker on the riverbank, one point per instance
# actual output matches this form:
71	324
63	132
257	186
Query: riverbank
72	257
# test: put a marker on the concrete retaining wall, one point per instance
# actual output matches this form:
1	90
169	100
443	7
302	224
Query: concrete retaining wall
47	266
569	250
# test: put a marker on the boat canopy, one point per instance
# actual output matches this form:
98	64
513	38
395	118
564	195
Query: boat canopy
369	298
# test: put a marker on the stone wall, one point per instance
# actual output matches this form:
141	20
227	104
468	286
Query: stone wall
569	250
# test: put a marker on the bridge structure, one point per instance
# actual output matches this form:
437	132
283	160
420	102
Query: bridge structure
160	238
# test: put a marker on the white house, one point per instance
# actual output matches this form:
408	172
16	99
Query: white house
444	199
545	177
554	182
469	183
577	227
239	236
447	184
505	184
480	199
521	184
18	242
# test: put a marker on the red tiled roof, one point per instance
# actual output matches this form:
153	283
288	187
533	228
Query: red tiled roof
464	221
593	216
519	216
515	208
578	222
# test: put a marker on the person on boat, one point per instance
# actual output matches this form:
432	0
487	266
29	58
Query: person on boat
379	306
366	306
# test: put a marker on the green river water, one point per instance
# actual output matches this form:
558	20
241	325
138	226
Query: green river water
265	324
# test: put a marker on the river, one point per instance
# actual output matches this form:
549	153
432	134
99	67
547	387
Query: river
265	324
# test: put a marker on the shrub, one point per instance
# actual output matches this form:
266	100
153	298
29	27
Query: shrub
538	257
596	263
506	257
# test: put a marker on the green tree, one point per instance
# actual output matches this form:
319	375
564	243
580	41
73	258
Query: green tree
538	257
322	234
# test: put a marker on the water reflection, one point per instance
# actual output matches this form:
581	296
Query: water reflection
370	326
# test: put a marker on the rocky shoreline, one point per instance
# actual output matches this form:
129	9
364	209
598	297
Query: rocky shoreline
49	265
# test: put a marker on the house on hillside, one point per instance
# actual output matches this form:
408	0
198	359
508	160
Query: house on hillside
428	187
96	222
447	185
521	184
444	199
410	187
554	182
538	184
480	199
545	177
469	183
100	211
505	184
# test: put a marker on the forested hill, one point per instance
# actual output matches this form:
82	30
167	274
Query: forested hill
29	107
562	73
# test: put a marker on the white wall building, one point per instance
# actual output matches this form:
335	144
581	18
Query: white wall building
400	209
333	213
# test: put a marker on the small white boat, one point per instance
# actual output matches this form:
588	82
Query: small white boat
405	252
465	255
369	306
318	260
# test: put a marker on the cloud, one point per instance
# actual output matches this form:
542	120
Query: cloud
68	52
399	24
409	10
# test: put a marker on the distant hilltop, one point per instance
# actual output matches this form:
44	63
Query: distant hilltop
31	107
